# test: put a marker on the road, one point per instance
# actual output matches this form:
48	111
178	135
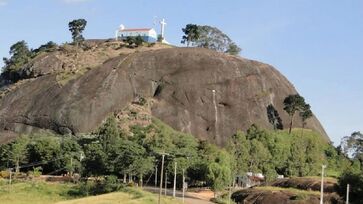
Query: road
189	198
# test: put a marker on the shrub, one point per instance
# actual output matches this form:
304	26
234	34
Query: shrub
355	179
106	185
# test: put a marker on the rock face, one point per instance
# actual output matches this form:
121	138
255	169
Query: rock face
198	91
281	196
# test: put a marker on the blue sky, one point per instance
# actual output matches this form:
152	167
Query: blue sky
317	45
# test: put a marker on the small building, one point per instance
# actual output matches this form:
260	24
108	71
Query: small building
250	179
147	34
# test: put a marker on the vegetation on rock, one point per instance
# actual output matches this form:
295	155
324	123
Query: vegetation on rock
76	27
109	151
209	37
296	103
191	34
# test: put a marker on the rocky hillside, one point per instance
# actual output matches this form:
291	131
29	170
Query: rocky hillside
290	190
194	90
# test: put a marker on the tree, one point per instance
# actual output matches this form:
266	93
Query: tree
134	41
239	148
353	145
259	156
49	46
45	150
305	114
292	104
313	157
297	160
355	180
18	151
143	165
109	133
71	152
274	117
213	38
219	171
95	162
233	49
191	34
19	56
76	27
139	40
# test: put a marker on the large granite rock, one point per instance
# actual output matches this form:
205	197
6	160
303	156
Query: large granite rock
181	81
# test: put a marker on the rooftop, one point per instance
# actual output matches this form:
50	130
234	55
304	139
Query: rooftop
136	29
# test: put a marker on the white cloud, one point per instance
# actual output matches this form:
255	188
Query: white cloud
3	2
73	1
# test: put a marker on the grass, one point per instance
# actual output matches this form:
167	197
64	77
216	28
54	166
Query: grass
291	190
130	196
57	193
33	192
318	178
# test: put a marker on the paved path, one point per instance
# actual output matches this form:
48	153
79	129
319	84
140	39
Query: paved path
189	197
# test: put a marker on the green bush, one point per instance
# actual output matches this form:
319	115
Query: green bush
355	180
107	184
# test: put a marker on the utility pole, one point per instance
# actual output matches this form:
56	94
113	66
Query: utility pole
183	185
174	188
322	184
166	181
161	176
347	201
156	176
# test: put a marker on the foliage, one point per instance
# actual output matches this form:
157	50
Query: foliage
76	27
48	47
353	145
109	133
305	114
292	104
110	151
45	150
274	117
107	184
72	154
19	56
239	148
134	41
277	152
219	165
95	162
213	38
233	49
355	180
191	34
16	152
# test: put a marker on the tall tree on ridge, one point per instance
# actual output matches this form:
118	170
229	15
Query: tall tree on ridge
304	115
293	103
191	34
214	39
76	27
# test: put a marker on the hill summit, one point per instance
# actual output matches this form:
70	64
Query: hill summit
198	91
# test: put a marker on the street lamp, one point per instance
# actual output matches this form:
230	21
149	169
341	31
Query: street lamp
322	184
